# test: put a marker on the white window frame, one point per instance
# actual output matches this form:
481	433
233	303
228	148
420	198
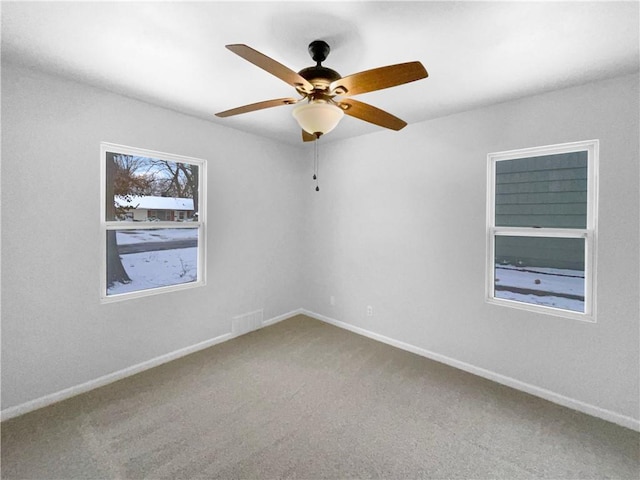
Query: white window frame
589	233
105	224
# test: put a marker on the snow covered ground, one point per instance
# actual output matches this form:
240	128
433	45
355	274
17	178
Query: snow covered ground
127	237
157	268
547	281
547	300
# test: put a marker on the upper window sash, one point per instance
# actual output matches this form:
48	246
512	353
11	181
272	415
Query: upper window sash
590	146
125	150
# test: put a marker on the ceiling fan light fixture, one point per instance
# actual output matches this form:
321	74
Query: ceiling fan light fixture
318	117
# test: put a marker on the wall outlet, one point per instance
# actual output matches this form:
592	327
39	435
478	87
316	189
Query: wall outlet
332	300
369	311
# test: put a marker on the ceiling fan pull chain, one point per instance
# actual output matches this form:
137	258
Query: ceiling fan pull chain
315	163
315	158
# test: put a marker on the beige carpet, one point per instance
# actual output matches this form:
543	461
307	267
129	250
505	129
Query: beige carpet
302	399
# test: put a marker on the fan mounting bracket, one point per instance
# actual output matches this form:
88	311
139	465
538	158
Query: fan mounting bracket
319	51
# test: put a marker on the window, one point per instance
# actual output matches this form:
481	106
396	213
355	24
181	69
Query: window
152	222
541	229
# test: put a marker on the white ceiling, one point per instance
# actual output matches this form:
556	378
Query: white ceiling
172	53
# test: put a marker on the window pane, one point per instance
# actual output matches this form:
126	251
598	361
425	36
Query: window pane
547	191
141	189
541	271
150	258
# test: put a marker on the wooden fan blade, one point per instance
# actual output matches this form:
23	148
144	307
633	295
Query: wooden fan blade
257	106
371	114
270	65
307	137
378	78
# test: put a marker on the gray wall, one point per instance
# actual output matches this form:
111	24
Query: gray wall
55	333
400	225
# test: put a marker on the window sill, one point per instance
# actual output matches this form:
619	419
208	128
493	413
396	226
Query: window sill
150	291
557	312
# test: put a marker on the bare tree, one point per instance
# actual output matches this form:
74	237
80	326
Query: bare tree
181	181
124	180
115	269
131	178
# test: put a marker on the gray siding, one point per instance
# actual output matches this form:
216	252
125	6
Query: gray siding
548	191
540	252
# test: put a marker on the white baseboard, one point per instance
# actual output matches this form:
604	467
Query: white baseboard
578	405
574	404
46	400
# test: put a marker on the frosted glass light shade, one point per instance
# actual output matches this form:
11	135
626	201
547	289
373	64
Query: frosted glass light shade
318	117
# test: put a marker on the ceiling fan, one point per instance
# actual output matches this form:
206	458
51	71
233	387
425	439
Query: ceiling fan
328	94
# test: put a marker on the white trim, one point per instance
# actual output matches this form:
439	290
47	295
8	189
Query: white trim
118	297
109	378
592	147
66	393
144	152
591	254
540	232
105	224
549	395
531	307
568	402
546	150
150	225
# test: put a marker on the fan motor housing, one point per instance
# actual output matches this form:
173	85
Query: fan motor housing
319	76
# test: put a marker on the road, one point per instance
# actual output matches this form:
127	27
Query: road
154	246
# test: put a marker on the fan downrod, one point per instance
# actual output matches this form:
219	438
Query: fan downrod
319	51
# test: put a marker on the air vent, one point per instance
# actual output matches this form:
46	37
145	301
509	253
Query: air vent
246	322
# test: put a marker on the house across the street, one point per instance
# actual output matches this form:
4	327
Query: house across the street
150	208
